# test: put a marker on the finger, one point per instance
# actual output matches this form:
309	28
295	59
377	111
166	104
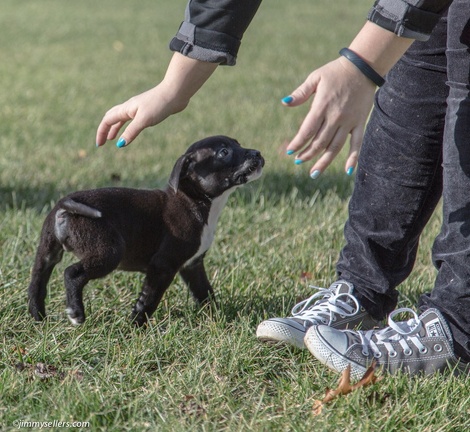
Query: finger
114	130
322	141
102	133
114	116
134	128
307	131
355	143
302	93
333	149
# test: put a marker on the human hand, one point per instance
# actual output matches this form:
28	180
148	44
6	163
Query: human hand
183	78
343	98
144	110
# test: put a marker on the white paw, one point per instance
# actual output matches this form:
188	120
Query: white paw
72	320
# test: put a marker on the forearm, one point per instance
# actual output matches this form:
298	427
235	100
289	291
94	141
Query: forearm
184	77
392	27
379	47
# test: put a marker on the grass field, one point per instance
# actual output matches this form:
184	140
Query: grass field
63	65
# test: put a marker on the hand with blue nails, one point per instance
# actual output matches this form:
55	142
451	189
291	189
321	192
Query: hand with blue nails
342	100
182	80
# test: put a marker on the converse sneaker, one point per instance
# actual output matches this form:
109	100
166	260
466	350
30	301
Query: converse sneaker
336	307
421	344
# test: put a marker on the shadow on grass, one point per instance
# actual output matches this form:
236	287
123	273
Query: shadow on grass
273	186
254	308
276	186
39	197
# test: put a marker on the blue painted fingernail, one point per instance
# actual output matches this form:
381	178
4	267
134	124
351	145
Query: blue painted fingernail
287	99
350	171
315	174
298	161
97	145
121	143
290	152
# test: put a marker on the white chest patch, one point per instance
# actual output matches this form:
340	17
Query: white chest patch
208	232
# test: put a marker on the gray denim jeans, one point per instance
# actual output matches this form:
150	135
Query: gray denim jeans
416	150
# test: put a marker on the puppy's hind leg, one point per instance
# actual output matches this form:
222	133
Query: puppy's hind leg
79	274
195	277
49	254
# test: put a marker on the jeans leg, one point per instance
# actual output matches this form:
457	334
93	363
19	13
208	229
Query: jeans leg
399	178
451	250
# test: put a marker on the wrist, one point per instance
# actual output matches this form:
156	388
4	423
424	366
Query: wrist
367	70
379	47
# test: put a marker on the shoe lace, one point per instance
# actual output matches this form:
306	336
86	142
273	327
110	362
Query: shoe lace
321	306
403	332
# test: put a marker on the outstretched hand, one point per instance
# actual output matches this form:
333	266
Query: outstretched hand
144	110
183	78
342	100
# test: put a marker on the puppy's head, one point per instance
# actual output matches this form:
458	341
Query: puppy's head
214	165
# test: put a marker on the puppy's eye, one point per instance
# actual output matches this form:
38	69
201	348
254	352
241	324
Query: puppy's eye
223	153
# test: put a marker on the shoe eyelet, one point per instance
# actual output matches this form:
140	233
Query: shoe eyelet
408	352
333	319
377	355
393	354
423	350
362	309
324	321
365	354
438	348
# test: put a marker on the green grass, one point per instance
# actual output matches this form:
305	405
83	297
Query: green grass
63	65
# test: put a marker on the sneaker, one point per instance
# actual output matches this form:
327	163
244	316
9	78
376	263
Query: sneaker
421	344
335	306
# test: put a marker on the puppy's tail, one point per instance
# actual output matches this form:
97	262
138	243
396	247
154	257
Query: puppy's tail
75	207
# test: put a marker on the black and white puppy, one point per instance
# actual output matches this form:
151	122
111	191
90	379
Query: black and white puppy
157	232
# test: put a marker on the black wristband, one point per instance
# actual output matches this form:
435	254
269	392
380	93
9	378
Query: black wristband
367	70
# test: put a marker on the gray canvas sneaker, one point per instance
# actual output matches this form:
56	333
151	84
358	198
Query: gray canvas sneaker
335	306
420	345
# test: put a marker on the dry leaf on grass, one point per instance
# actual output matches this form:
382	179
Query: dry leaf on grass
306	276
190	407
345	387
44	371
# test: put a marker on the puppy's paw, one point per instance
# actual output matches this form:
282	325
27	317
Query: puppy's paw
37	313
139	319
74	318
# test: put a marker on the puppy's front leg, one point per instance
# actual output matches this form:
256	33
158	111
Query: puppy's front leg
194	275
158	279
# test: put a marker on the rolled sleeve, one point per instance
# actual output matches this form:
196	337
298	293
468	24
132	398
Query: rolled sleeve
213	29
413	19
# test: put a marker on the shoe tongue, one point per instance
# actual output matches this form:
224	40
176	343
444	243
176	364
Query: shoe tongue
341	287
434	325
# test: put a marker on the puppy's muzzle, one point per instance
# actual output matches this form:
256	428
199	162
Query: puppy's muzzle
251	168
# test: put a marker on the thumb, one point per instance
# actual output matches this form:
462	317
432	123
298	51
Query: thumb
133	129
302	93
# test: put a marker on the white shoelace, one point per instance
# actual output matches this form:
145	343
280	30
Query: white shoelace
321	306
403	332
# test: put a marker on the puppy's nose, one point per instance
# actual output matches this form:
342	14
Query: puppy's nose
253	154
255	157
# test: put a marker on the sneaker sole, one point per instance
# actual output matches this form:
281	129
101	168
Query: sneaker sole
281	331
329	356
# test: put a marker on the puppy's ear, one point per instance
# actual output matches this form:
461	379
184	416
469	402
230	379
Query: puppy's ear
179	171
